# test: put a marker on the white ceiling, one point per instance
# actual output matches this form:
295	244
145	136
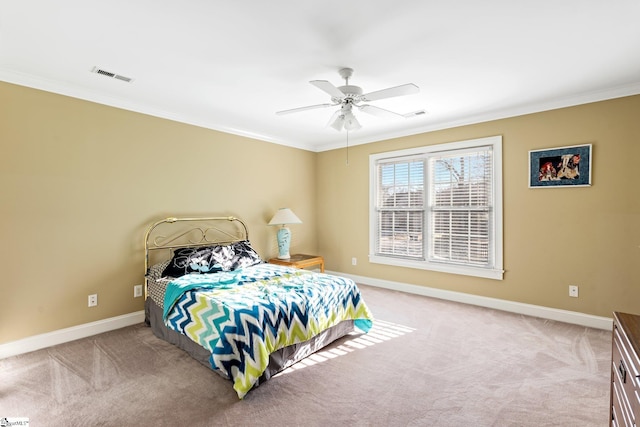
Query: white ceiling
230	65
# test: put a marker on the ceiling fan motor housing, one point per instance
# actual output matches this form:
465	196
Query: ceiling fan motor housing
353	93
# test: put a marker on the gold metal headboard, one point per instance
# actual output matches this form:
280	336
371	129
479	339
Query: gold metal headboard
199	232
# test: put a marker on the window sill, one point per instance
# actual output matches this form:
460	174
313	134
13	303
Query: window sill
487	273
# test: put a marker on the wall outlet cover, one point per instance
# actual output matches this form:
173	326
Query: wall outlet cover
573	291
93	300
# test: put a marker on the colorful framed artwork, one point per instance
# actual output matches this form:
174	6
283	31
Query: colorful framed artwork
560	167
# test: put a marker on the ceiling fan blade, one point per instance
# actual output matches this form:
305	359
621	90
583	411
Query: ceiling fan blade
310	107
377	111
406	89
328	87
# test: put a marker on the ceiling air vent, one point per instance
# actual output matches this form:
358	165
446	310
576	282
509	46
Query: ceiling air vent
110	74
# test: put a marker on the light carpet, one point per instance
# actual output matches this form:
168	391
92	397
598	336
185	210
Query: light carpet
428	362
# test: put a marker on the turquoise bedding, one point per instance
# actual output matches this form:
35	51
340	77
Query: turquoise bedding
243	316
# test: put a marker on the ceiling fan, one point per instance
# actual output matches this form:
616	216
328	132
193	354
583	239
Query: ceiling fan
349	96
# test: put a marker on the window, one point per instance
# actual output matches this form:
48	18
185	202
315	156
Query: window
439	208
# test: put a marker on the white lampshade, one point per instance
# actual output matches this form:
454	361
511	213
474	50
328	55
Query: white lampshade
344	118
351	123
284	216
338	122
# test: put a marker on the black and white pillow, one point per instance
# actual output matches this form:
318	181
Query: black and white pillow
244	255
235	255
191	260
211	259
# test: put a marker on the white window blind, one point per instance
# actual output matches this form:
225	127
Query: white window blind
461	207
439	207
400	207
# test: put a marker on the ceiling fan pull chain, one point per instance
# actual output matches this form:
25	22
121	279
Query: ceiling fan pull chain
347	147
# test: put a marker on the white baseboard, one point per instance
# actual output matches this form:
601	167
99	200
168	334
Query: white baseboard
498	304
60	336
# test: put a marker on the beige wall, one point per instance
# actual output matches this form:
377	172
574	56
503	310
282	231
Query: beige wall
82	181
552	237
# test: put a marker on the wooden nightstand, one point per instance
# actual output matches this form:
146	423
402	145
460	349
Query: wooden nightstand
300	261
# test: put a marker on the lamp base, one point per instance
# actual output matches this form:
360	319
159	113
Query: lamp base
284	239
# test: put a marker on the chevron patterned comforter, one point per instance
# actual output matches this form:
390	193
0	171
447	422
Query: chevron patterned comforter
243	316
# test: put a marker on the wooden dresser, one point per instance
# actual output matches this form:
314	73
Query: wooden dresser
625	370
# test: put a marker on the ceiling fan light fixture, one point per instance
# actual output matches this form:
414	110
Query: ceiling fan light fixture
338	123
351	123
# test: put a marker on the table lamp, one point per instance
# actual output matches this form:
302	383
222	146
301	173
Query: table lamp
283	217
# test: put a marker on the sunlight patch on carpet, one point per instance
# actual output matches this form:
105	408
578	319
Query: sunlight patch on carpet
380	332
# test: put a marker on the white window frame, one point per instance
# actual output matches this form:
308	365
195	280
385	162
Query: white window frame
493	272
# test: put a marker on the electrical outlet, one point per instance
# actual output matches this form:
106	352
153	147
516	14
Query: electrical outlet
354	261
93	300
573	291
137	291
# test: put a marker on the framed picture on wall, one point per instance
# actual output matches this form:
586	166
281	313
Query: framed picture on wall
560	167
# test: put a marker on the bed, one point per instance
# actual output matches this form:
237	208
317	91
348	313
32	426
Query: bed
210	293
